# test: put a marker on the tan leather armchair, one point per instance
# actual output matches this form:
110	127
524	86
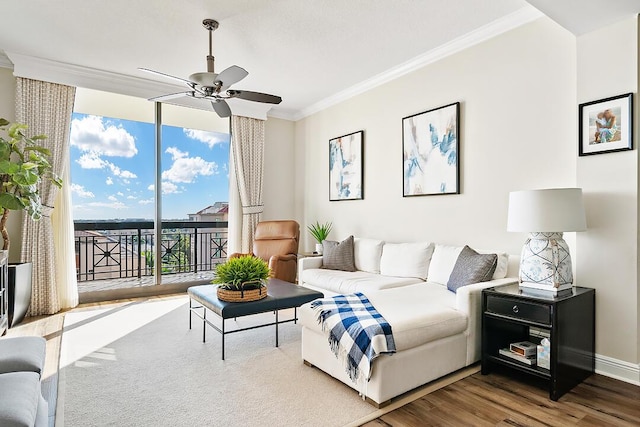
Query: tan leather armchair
276	242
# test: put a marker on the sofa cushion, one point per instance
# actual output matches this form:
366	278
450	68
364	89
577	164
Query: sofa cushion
471	267
19	404
418	314
22	354
367	253
338	255
406	259
342	282
442	262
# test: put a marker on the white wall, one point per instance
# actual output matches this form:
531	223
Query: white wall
518	131
607	254
279	172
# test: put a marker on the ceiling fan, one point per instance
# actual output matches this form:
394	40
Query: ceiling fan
214	87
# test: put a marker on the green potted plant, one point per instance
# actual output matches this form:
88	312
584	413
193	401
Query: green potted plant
23	165
242	279
320	232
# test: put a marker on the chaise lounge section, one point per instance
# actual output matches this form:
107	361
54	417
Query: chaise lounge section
436	330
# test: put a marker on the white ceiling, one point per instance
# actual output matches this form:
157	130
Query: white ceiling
308	52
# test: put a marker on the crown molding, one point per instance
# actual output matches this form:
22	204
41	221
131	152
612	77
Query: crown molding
493	29
5	62
284	114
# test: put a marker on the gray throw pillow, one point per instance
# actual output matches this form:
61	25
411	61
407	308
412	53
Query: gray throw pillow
338	255
472	267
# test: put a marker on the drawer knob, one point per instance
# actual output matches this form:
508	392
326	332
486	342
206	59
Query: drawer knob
515	309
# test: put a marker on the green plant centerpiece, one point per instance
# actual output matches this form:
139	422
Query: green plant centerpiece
320	232
242	279
23	164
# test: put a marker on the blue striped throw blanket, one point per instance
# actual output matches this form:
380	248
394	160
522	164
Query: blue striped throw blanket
358	334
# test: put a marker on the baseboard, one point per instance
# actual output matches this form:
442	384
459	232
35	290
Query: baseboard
618	369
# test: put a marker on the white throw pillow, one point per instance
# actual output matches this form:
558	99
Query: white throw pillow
442	262
406	259
367	253
503	263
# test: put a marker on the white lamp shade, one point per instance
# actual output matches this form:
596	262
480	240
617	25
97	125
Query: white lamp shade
549	210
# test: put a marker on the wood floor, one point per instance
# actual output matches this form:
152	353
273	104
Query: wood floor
500	400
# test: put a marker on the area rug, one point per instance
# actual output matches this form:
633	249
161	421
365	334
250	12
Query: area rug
138	364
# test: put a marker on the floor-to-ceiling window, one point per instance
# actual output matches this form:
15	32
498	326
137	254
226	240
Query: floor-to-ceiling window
115	176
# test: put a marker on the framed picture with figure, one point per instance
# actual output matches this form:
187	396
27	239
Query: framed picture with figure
346	167
431	152
606	125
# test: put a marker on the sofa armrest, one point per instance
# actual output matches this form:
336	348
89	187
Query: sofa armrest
469	302
306	263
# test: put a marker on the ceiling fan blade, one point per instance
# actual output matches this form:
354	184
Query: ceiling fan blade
222	108
230	76
162	98
254	96
190	83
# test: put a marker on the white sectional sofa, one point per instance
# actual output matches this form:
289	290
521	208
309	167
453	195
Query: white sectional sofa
436	331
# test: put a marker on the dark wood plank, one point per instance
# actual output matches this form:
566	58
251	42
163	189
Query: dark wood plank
500	399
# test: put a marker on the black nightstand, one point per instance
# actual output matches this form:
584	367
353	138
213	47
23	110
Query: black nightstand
510	316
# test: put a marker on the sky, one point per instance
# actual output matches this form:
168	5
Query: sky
113	172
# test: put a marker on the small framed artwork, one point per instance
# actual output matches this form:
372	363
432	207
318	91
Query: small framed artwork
606	125
345	167
431	152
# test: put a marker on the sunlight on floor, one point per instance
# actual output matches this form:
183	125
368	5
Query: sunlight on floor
89	332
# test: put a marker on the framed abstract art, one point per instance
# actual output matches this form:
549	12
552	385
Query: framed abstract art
345	167
606	125
431	152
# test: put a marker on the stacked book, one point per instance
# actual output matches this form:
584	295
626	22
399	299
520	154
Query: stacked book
521	351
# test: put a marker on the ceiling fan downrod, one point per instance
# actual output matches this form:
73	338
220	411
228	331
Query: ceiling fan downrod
211	25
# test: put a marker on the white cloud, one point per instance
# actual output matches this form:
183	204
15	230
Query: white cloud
112	205
176	153
92	134
186	169
120	193
145	201
109	181
209	138
131	198
93	161
113	198
151	187
81	192
170	188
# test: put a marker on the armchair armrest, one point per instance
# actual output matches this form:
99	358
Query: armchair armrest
284	267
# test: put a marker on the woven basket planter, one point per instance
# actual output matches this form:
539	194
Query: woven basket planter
242	295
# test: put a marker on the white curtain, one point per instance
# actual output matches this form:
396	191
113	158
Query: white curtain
46	108
247	142
64	243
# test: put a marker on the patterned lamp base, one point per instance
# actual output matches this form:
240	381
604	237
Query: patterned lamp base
545	263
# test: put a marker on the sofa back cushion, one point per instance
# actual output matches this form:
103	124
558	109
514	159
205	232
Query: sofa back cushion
442	262
367	253
406	259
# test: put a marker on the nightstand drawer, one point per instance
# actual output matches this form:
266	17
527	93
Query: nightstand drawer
532	312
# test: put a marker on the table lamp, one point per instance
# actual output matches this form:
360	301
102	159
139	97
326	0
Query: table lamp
545	263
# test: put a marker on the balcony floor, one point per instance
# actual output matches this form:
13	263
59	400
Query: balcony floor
134	282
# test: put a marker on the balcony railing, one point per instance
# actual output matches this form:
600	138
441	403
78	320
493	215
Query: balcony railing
126	249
